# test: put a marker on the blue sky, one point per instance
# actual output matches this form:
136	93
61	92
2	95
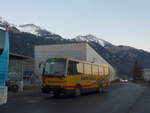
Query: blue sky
121	22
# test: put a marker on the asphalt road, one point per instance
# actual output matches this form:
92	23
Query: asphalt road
121	98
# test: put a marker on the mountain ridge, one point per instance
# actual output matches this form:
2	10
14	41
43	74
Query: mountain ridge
120	57
92	38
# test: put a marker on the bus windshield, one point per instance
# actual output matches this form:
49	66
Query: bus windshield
55	67
1	41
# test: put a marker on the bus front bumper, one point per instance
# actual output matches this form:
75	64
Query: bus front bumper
56	89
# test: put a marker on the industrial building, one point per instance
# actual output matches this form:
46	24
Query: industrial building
80	51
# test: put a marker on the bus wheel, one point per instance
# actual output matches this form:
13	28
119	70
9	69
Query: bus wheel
56	94
77	91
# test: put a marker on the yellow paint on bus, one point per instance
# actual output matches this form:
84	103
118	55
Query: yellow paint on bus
65	75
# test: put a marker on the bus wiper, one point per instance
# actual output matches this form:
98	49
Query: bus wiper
49	75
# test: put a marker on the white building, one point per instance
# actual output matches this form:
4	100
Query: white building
80	51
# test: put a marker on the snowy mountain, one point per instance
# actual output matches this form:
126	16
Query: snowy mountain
38	31
33	29
5	22
2	21
91	38
30	28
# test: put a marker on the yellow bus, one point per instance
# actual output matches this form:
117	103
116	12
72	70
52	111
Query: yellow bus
73	77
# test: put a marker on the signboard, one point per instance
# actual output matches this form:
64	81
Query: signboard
27	74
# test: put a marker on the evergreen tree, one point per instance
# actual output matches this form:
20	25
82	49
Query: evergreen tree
137	72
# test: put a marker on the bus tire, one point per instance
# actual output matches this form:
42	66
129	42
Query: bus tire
56	94
77	91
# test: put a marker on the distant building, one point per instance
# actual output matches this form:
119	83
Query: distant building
146	74
80	51
21	67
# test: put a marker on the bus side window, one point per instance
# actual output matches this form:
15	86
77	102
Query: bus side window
71	68
106	70
75	68
87	69
101	70
79	68
95	69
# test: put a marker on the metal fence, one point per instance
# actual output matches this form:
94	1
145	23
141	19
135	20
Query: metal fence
22	70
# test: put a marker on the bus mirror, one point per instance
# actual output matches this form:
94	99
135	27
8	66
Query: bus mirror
2	36
41	65
1	51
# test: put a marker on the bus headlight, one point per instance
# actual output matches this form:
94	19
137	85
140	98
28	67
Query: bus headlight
43	81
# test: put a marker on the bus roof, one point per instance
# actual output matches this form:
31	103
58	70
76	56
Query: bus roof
57	58
67	58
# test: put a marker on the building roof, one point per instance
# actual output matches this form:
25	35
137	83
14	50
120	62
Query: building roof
64	44
19	56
